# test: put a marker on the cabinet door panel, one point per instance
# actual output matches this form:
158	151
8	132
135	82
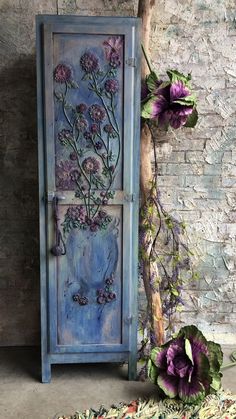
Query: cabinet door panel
90	176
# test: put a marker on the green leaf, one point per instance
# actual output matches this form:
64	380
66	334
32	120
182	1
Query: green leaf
74	84
146	109
175	75
151	81
192	119
152	371
188	350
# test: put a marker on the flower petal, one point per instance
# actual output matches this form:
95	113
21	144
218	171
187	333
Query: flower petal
196	338
158	357
152	371
202	370
178	90
190	392
159	106
168	384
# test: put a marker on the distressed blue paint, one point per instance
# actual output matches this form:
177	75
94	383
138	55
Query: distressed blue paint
90	333
91	258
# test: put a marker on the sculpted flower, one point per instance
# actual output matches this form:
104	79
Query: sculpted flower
91	165
187	367
113	46
108	129
94	128
65	135
62	73
169	103
81	108
65	175
76	213
81	124
97	113
112	85
89	62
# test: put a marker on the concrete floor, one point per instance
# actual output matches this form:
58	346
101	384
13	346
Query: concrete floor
73	387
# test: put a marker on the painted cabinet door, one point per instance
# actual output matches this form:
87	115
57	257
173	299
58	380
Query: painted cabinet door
88	92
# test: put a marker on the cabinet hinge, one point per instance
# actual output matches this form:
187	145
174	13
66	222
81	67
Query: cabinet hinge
131	62
48	197
129	197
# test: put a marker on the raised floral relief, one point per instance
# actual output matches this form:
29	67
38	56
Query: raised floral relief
88	148
90	129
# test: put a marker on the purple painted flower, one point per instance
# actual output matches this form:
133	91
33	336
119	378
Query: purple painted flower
97	113
108	128
65	135
111	86
98	145
76	213
101	300
62	73
63	175
89	62
73	156
113	46
75	175
81	108
109	281
187	367
110	297
81	124
91	165
87	135
165	106
94	128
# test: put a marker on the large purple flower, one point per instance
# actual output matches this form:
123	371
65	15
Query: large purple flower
187	367
62	73
166	107
91	165
89	62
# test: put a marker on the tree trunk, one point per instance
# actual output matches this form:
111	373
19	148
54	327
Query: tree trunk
149	268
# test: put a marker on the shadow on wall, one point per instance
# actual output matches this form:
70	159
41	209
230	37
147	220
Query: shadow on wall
19	265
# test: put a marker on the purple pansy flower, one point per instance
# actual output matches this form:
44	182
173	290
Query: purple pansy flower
97	113
89	62
111	86
187	367
62	73
91	165
165	107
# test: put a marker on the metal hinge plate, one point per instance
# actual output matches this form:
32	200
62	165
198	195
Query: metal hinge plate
131	62
129	197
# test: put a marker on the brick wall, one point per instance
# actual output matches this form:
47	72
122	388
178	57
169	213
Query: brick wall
197	179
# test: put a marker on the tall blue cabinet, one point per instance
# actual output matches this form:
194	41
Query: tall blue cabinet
88	81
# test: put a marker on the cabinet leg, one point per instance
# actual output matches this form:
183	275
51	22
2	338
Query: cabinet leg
46	371
132	367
